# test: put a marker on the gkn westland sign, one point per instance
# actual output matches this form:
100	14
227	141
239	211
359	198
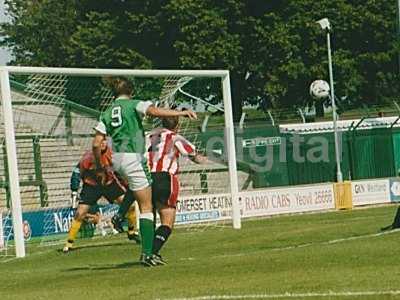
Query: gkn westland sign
367	192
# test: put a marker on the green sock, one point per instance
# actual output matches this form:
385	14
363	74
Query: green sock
147	233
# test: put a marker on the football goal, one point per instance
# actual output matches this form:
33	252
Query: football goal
47	117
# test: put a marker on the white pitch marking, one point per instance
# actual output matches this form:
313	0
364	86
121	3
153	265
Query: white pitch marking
330	242
291	295
51	249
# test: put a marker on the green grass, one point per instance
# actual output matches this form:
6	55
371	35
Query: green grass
287	254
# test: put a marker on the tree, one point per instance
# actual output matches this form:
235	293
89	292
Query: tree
39	31
274	49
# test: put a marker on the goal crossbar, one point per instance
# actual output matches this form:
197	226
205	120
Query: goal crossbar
115	72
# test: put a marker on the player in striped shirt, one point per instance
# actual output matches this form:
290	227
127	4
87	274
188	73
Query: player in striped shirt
165	146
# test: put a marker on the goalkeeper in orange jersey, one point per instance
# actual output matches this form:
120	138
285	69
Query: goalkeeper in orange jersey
112	188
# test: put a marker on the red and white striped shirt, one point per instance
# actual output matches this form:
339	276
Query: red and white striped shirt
164	148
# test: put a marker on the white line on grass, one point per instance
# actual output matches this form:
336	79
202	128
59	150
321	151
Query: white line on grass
242	254
291	295
28	255
330	242
8	260
51	248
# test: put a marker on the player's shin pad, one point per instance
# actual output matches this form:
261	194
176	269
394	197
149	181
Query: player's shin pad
147	232
73	231
160	237
131	216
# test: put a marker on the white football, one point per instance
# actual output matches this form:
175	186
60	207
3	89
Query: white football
319	89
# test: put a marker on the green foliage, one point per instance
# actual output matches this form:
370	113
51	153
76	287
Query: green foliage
95	44
147	88
278	42
39	31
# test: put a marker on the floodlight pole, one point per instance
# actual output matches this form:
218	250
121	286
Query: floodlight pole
398	28
325	25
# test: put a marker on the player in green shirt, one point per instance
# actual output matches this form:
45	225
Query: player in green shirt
123	123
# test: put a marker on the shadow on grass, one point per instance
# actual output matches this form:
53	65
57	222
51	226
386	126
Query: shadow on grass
125	265
83	247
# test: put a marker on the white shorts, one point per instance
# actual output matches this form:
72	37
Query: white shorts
133	167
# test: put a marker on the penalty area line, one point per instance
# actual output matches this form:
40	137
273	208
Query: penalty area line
36	253
290	295
299	246
55	247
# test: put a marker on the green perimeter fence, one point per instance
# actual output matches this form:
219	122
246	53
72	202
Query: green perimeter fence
279	159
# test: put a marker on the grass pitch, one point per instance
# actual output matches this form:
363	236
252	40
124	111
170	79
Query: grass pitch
335	255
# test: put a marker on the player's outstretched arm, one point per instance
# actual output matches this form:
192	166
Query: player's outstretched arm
165	113
199	159
74	185
75	180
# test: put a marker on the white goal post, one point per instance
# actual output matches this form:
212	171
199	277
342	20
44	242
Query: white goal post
10	138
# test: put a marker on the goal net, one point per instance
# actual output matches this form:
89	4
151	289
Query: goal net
47	117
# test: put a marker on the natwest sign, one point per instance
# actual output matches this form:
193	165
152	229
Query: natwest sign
1	231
